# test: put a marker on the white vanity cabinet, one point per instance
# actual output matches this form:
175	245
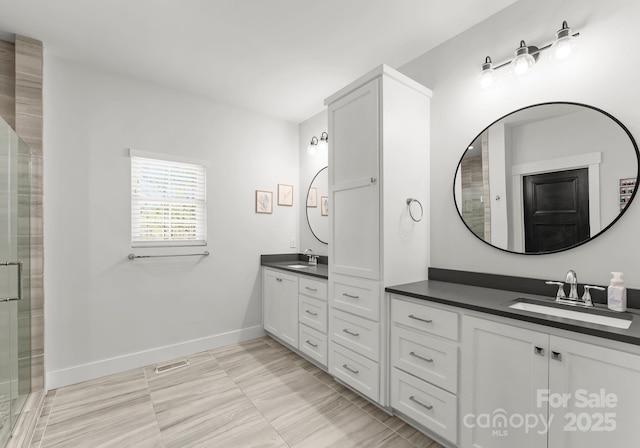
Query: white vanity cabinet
510	372
424	365
295	311
280	305
312	308
378	158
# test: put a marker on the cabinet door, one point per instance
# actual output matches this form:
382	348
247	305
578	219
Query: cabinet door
595	396
270	301
288	310
503	367
354	126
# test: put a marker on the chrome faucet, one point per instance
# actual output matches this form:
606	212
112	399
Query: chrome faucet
573	299
313	259
572	280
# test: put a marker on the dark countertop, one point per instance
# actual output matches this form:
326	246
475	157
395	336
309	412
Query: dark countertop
496	301
283	261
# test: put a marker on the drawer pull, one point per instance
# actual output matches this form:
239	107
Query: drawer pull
415	400
312	344
310	289
420	319
350	296
278	279
310	312
346	330
346	366
421	357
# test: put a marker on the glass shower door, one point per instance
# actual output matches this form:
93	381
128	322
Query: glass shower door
15	303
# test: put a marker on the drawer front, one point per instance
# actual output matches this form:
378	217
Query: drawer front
313	344
433	408
357	371
358	334
425	318
313	288
427	358
356	296
313	312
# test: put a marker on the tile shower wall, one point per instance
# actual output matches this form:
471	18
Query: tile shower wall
21	106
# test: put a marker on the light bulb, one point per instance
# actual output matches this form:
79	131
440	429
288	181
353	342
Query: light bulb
487	75
323	144
313	145
523	61
563	46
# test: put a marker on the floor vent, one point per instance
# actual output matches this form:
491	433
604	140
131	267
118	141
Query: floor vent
173	365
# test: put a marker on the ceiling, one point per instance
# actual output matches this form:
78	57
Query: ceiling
276	57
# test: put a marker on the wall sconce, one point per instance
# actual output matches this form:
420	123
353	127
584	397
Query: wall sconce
323	145
526	56
315	144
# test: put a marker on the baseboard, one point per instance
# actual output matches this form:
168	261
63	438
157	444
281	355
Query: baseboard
84	372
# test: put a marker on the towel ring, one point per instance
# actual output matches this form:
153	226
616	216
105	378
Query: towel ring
409	202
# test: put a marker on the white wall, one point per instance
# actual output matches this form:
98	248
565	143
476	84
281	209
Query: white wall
310	164
603	73
105	313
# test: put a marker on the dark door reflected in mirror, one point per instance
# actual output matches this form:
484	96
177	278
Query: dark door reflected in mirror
546	178
317	210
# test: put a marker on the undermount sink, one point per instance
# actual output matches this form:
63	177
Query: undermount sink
298	266
593	316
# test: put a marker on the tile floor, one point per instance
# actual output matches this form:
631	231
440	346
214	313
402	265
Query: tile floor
254	394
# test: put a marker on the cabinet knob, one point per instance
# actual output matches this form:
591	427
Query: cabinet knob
373	180
538	351
556	355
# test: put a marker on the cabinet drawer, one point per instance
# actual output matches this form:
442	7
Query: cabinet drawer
433	408
358	334
425	318
313	312
313	288
313	344
427	358
357	371
356	296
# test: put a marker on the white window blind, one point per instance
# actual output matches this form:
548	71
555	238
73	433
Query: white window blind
168	202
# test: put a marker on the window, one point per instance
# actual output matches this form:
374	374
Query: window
168	201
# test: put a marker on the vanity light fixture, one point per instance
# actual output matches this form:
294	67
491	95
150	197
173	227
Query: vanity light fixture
526	56
487	75
313	145
324	142
316	145
563	46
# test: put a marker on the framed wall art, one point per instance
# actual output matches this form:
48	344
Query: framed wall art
312	197
285	194
324	205
264	201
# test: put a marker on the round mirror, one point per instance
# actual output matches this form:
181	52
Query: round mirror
546	178
318	206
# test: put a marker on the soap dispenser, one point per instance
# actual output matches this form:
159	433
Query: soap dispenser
617	293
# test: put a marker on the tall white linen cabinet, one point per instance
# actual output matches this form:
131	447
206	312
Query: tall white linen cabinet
378	159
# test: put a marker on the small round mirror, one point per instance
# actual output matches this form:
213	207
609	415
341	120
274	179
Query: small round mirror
317	206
